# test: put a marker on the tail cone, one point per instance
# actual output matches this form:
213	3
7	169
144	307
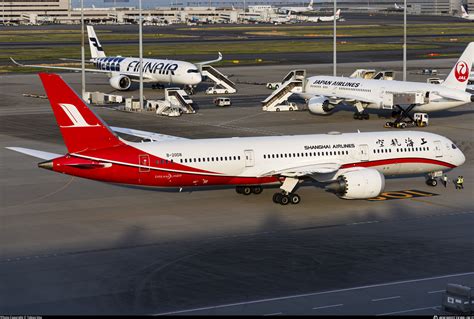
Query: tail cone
46	165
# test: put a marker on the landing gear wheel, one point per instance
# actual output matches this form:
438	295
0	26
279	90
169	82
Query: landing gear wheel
285	199
432	182
226	92
357	116
277	198
238	189
278	109
295	199
246	190
257	190
365	116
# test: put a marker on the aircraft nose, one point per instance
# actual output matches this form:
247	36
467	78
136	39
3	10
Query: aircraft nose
461	158
197	79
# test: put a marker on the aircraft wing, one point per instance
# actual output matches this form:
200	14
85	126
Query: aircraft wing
35	153
156	137
129	74
211	61
57	67
351	98
305	170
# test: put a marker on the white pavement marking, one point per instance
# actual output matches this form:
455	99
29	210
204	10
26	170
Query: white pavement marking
273	314
386	298
329	306
315	293
408	310
436	291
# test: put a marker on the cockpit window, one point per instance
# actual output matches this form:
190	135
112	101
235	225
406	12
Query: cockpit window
454	146
193	71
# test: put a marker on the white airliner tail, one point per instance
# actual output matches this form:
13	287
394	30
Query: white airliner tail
96	49
457	78
338	13
464	12
310	5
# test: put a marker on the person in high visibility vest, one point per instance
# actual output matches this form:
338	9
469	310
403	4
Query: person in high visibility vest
459	182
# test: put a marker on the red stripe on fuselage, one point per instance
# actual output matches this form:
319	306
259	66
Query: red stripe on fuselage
403	160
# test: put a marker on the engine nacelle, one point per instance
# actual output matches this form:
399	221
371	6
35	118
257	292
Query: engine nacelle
320	105
359	184
120	82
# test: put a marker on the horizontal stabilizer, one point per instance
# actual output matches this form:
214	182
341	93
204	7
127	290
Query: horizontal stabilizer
147	135
35	153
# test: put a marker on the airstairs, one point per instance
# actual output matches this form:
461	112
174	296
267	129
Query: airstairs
219	79
293	82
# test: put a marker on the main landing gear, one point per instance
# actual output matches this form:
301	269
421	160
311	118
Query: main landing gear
360	113
247	190
284	199
286	196
364	115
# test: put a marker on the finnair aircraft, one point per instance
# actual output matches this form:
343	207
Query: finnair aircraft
122	71
353	165
324	93
325	18
465	15
297	9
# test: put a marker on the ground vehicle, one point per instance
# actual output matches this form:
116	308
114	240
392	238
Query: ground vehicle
288	106
216	90
222	101
273	85
429	71
458	299
421	119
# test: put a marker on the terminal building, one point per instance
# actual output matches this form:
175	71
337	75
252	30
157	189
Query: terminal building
61	11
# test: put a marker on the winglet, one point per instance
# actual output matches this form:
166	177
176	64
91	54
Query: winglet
13	60
219	58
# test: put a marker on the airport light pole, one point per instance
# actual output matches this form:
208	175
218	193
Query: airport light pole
140	40
334	58
83	55
405	40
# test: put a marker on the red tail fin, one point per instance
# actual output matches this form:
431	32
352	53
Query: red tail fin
80	127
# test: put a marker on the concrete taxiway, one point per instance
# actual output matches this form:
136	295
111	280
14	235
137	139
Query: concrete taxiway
74	246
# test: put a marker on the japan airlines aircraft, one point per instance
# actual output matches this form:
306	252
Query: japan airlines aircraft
353	164
465	15
324	93
122	71
297	9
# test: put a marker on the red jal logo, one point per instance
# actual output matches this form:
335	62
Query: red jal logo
461	71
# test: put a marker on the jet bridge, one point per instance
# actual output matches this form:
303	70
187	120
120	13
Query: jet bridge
293	82
220	79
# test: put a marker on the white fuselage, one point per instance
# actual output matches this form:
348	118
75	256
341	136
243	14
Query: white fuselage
391	153
438	97
294	9
154	70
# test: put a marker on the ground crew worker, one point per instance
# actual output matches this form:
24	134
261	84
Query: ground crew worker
445	180
462	182
458	182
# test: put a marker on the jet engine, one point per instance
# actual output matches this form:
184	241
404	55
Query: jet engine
120	82
360	184
320	105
